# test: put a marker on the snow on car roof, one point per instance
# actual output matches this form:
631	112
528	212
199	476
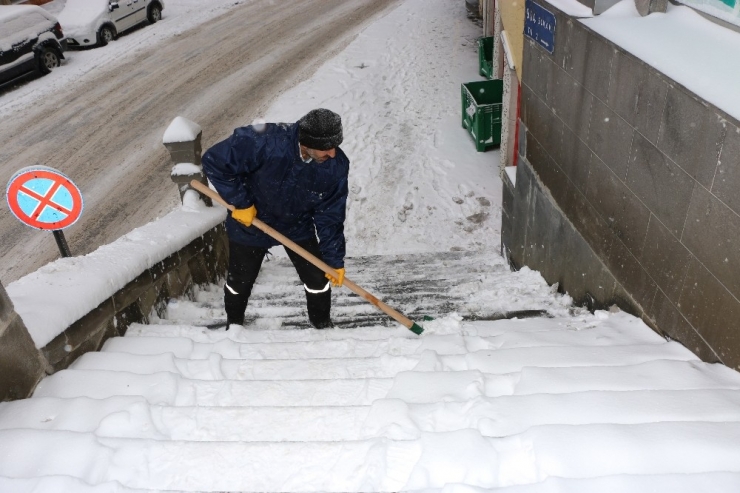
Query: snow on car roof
20	22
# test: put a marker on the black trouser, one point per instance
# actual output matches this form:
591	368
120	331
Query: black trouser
244	266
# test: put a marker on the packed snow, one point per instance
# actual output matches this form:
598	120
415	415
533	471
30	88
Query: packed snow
575	402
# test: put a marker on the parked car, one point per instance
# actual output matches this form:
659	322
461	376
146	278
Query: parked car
31	40
98	22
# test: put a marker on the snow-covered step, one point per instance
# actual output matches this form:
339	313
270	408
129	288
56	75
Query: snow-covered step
660	374
710	482
133	417
215	367
514	360
718	482
349	347
432	460
171	389
510	415
54	484
438	386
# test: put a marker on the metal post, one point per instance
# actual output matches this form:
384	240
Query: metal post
62	243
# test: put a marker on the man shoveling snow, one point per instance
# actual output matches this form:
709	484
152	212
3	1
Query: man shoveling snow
295	177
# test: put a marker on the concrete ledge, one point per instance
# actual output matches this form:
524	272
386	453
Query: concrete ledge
202	261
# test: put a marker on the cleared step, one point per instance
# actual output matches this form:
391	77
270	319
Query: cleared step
469	284
431	461
170	389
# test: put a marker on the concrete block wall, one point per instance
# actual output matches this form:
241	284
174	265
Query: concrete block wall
643	172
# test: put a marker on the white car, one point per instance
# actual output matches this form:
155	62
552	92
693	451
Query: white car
97	22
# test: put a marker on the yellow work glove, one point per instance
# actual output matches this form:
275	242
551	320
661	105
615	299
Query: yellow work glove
245	216
337	280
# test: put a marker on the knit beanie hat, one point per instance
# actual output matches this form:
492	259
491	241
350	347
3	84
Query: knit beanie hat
320	129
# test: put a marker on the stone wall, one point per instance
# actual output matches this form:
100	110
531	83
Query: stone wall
627	191
22	366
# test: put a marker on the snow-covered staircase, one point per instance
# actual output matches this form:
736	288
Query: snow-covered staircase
576	402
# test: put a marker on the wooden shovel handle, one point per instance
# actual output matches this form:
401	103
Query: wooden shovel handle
395	315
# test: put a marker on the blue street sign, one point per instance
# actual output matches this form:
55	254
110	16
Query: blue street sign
539	25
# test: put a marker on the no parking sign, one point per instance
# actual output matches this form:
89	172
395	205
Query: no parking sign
44	198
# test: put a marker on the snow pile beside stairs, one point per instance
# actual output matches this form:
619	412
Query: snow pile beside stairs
584	403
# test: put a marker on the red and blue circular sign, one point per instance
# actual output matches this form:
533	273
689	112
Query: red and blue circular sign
44	198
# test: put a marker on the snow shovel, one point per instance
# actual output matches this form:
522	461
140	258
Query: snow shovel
395	315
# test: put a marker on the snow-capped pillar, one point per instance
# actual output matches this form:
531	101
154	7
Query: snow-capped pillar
182	139
21	365
646	7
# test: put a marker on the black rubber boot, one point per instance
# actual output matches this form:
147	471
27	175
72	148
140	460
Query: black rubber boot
319	309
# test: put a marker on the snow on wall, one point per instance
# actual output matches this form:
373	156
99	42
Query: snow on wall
727	10
61	292
181	130
667	41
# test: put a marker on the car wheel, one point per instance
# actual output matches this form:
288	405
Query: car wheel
154	14
48	59
105	35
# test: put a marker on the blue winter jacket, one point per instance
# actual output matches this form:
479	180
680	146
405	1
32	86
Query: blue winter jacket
263	167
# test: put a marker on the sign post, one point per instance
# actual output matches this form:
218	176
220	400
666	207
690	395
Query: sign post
44	198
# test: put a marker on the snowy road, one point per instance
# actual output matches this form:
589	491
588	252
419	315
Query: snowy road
105	129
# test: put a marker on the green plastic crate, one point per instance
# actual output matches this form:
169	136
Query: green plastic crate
485	56
481	112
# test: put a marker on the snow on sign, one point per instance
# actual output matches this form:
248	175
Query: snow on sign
539	25
43	198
